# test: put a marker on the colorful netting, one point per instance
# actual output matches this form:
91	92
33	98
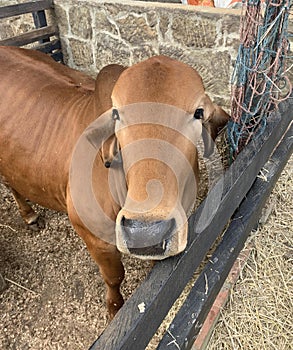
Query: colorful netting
259	80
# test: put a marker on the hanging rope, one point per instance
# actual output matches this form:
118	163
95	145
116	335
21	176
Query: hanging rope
259	79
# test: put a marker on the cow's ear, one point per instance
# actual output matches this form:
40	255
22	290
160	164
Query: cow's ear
109	150
110	146
218	121
101	135
104	85
212	126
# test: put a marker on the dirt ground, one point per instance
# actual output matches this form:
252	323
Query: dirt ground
55	295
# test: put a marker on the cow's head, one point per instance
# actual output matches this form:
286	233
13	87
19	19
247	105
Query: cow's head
159	109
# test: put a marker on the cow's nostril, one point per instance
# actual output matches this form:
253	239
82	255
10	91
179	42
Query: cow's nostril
147	238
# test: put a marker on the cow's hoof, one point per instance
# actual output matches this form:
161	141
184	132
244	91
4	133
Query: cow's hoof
114	307
38	224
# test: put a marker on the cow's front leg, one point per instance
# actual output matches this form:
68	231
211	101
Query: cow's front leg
112	270
108	258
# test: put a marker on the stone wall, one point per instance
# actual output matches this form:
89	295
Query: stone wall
96	33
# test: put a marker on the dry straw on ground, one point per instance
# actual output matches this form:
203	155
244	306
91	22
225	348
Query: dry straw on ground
259	314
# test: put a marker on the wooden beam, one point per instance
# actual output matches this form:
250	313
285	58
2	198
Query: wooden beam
30	37
131	329
50	46
189	319
19	9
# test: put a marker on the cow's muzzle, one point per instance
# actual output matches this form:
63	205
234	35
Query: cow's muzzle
147	238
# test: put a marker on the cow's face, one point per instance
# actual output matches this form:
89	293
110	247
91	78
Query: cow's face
159	107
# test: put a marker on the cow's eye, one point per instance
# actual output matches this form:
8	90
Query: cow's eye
115	114
198	114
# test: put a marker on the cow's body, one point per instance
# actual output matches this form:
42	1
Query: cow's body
45	107
53	105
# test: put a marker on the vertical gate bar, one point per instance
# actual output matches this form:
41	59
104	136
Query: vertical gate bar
40	21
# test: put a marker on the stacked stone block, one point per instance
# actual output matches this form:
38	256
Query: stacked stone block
96	33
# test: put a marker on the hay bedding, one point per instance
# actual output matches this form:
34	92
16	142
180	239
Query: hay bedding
259	314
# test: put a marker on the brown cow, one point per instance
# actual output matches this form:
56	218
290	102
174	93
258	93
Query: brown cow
45	107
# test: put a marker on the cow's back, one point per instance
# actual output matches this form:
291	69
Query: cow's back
44	106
